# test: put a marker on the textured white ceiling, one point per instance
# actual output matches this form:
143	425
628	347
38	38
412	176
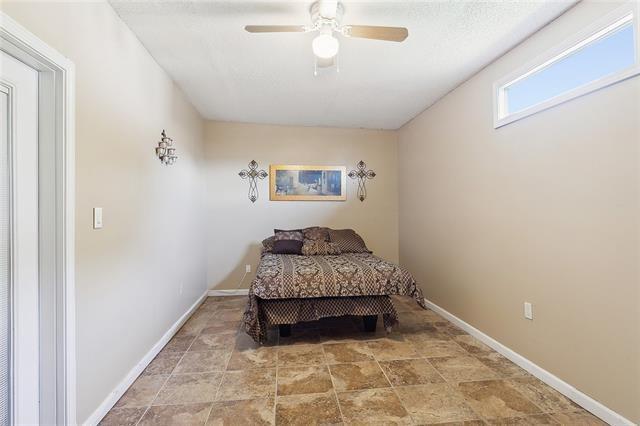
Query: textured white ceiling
232	75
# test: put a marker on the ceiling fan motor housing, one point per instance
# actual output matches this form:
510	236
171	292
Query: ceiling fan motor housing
325	12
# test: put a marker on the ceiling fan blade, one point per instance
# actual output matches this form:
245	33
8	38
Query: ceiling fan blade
275	28
376	33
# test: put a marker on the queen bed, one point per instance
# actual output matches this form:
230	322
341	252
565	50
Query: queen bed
311	284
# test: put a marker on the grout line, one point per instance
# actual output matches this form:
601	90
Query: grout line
393	389
333	385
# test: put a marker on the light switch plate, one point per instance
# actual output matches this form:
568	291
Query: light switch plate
528	311
97	218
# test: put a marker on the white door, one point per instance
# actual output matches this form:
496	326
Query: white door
19	370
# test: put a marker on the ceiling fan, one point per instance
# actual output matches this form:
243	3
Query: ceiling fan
326	19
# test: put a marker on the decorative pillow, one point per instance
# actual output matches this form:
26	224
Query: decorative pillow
316	233
319	247
348	241
267	244
287	242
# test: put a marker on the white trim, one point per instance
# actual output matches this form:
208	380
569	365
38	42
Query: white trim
585	401
56	133
593	32
236	292
132	375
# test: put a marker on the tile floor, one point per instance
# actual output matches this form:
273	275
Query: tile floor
427	371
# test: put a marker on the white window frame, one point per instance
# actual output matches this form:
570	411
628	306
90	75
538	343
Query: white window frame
593	32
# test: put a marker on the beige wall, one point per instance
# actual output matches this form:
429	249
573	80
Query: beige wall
544	210
236	226
129	273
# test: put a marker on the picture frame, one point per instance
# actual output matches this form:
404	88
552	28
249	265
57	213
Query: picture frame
307	183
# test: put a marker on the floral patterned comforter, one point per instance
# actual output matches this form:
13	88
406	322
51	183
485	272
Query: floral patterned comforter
281	276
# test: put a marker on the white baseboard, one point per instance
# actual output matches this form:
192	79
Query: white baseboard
115	395
236	292
590	404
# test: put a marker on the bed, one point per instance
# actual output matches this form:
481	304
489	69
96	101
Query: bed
290	288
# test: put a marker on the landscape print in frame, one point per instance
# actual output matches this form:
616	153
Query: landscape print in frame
307	183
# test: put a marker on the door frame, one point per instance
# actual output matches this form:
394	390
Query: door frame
56	221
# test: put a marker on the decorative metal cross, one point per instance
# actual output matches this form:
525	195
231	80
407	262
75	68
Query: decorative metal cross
252	174
362	174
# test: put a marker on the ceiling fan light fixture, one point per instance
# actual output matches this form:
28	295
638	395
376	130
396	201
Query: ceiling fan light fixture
325	46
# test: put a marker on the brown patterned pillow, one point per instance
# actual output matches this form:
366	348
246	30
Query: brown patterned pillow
267	244
348	241
319	248
287	242
316	233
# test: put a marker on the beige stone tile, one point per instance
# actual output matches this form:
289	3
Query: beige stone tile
389	349
189	389
252	358
340	335
465	423
308	409
141	392
258	412
208	342
462	369
424	332
163	363
195	324
301	336
429	316
226	315
358	375
300	380
290	356
432	348
544	396
410	372
337	353
473	345
179	343
501	365
577	418
450	329
122	417
373	406
202	362
495	398
244	341
248	384
411	322
224	327
176	415
538	419
435	403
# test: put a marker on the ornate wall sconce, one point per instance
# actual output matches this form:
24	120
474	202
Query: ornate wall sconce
362	174
166	151
252	174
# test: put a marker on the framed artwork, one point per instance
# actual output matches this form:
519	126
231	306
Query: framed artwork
307	183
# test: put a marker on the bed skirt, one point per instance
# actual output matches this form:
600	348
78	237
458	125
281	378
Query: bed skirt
271	312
